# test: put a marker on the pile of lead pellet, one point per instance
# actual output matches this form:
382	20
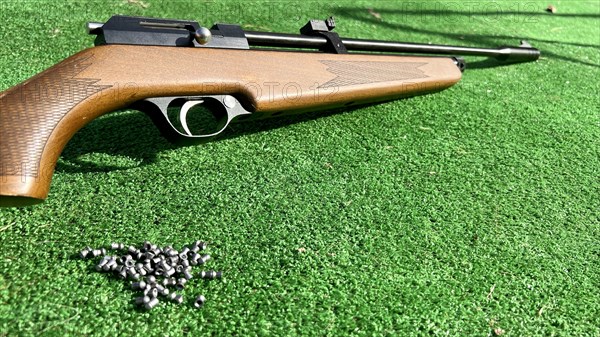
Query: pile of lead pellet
153	270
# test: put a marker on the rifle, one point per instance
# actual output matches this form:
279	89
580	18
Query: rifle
167	68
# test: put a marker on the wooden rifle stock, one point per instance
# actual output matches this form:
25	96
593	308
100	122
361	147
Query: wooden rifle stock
40	115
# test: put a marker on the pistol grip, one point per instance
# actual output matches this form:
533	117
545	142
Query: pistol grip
37	118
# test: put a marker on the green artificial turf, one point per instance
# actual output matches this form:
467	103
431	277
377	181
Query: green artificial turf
474	211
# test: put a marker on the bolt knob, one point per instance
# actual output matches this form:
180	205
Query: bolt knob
203	35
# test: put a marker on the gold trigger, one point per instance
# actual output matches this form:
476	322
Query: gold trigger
183	114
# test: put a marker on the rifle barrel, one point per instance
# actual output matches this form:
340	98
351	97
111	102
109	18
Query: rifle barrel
523	53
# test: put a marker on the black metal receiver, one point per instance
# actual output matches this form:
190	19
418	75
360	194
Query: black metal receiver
316	34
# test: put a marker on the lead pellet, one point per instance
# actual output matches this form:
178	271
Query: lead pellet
185	263
173	260
203	259
142	300
151	279
141	285
184	252
169	281
109	265
187	273
101	264
116	246
164	264
84	253
151	304
153	292
172	252
199	302
195	258
201	245
176	298
104	260
96	252
211	274
181	283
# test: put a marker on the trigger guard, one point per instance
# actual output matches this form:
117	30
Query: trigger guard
233	108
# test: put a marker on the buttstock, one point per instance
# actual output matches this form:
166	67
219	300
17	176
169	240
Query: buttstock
40	115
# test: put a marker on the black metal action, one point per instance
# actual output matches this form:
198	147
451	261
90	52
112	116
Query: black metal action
315	35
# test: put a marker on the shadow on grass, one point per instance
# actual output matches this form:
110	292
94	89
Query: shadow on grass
132	135
363	14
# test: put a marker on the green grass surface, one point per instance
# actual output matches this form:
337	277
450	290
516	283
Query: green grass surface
457	213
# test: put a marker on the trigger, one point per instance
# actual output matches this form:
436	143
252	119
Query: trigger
183	114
